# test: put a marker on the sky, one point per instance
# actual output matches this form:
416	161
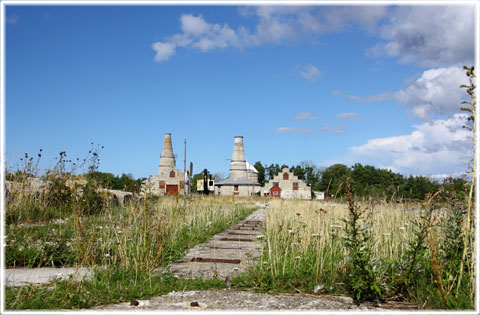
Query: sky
370	84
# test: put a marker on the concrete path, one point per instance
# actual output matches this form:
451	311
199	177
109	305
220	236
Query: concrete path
233	300
226	254
24	276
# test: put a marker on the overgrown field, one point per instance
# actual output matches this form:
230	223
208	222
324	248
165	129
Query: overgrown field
395	251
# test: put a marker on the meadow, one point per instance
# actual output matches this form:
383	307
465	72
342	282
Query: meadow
370	249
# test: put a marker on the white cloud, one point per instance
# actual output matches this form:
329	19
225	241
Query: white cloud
433	148
12	19
338	129
309	72
425	35
305	116
274	25
348	116
294	130
194	25
435	92
429	36
164	50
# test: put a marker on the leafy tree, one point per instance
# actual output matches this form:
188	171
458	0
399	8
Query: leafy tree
261	172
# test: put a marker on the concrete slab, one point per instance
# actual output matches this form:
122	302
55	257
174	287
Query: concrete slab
24	276
239	301
239	248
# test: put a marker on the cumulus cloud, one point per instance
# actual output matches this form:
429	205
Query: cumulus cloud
348	116
434	148
164	50
274	24
429	36
305	116
309	72
197	34
435	92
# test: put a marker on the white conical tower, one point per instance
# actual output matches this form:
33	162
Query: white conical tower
167	160
238	167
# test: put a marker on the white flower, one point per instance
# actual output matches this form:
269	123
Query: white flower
297	257
294	243
259	236
386	234
107	255
335	226
318	287
208	223
290	231
403	228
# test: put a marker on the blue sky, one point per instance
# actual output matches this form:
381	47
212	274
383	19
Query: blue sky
329	84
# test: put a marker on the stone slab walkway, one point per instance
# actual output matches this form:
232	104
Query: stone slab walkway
227	253
24	276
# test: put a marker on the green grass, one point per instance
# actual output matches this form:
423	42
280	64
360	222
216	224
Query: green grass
111	285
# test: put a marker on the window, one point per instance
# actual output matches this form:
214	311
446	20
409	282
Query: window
275	184
275	193
172	174
182	185
210	183
295	186
285	176
161	184
235	188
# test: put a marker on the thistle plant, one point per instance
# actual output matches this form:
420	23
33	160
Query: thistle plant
361	276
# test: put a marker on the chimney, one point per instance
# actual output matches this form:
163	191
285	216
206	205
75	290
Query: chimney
167	160
238	167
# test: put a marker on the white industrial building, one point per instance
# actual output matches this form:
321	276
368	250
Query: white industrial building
169	180
243	178
288	186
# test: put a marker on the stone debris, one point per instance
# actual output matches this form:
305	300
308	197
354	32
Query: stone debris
228	253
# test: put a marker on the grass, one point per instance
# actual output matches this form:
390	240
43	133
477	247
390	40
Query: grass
304	251
110	285
129	242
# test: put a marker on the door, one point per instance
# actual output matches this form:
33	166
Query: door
172	189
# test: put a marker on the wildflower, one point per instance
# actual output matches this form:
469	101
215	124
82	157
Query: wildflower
264	262
386	234
259	236
403	228
335	226
290	231
208	223
316	235
68	244
298	257
318	287
294	243
107	255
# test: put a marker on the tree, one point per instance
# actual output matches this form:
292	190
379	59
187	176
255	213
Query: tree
261	172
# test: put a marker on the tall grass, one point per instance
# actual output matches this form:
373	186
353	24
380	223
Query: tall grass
305	250
139	235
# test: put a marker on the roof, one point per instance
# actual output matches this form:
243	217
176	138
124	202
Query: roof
251	168
237	181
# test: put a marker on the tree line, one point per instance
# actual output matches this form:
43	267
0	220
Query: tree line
366	180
